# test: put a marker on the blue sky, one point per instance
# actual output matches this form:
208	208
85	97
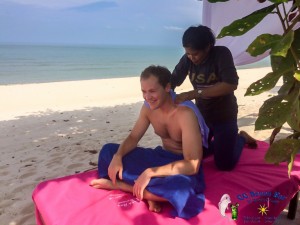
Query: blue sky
121	22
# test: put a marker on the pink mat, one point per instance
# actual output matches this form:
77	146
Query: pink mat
261	190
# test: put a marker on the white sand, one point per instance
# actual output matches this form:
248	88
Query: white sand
56	129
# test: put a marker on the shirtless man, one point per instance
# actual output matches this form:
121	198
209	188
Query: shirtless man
169	173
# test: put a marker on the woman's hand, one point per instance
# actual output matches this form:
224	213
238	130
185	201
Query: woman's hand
184	96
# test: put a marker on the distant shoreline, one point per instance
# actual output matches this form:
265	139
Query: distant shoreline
27	64
111	78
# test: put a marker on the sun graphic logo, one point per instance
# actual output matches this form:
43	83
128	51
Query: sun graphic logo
263	210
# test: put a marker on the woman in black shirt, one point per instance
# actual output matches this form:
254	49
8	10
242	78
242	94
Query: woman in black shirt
213	75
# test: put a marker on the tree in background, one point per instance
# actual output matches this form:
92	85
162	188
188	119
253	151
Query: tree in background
284	53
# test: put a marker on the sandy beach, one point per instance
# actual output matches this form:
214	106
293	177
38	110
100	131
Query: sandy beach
51	130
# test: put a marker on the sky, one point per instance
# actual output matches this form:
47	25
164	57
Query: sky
108	22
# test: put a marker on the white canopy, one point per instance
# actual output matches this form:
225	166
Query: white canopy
218	15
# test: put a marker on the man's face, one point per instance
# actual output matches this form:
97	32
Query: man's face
153	92
196	56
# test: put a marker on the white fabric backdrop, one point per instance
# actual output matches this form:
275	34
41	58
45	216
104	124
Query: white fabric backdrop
218	15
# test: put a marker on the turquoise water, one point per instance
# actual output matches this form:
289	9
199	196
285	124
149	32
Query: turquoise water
20	64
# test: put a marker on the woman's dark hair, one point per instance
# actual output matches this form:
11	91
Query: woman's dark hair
198	38
162	73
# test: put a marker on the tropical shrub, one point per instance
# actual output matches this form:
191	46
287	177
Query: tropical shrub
284	51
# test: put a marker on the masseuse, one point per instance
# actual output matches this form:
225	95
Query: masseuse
214	78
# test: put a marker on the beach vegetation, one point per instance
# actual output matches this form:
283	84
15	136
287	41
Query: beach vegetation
284	52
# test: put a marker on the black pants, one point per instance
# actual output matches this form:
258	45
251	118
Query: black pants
225	144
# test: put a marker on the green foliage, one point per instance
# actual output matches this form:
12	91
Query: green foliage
285	62
297	75
278	1
296	42
283	45
283	150
242	26
288	83
263	43
273	113
264	84
294	116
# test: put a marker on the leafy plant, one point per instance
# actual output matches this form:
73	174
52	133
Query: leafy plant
284	52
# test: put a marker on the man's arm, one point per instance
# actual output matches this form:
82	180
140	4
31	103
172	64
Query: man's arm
192	153
129	144
136	133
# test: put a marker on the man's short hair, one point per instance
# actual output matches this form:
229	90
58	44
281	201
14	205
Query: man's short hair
160	72
198	38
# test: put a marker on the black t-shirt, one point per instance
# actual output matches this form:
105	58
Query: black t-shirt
218	67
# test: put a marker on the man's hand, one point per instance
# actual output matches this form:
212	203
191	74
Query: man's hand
115	166
140	184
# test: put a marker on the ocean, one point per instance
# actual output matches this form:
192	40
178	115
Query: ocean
22	64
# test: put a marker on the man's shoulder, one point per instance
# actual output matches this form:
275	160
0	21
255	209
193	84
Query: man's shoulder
145	110
145	107
184	111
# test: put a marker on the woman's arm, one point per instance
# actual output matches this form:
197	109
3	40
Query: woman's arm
180	72
217	90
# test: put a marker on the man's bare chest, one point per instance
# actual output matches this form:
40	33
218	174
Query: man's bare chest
166	128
